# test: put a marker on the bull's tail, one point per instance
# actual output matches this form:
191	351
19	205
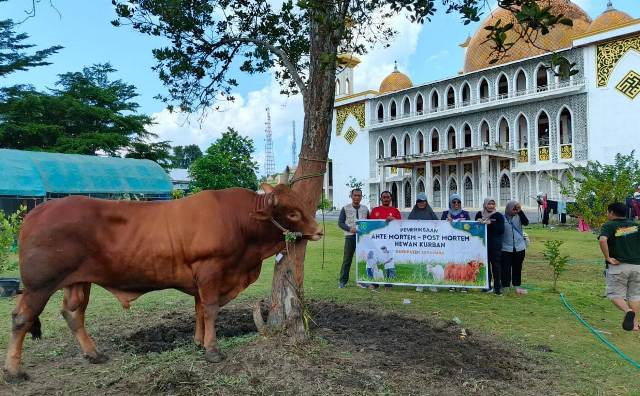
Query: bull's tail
36	329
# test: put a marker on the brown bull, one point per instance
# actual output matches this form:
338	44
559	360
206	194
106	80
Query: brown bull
210	245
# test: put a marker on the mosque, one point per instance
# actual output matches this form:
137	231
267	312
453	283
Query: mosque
507	130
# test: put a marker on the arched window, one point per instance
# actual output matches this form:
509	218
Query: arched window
503	133
521	82
380	148
337	87
451	98
451	138
468	192
523	190
392	110
485	133
380	112
435	101
408	199
420	138
505	189
544	183
523	132
484	90
467	136
437	197
407	145
394	195
466	94
406	107
453	186
542	79
503	87
420	186
543	130
394	147
435	141
347	86
564	127
419	104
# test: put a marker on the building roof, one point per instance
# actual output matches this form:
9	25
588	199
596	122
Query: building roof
36	174
479	51
395	81
179	175
608	19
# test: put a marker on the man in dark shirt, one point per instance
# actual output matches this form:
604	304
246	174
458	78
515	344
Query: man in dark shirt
620	244
347	222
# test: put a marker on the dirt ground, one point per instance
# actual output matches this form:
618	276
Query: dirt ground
352	351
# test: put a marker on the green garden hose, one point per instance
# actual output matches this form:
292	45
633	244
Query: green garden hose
597	334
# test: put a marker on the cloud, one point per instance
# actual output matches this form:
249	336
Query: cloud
437	56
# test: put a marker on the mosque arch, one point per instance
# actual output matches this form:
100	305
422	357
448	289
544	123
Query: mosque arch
505	189
503	137
406	107
502	86
522	131
452	186
435	140
406	144
408	195
420	185
437	193
565	123
485	133
393	109
419	103
468	191
419	142
434	100
347	86
483	90
451	97
380	112
524	193
465	94
521	81
542	77
393	144
380	148
451	138
467	134
542	134
394	194
337	87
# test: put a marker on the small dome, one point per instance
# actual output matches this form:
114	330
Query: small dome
395	82
609	18
479	50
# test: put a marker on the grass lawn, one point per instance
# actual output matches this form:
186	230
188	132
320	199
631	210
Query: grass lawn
538	322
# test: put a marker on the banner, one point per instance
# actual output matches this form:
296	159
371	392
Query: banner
430	253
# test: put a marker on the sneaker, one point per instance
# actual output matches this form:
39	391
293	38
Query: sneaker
341	285
627	323
463	290
419	289
486	290
360	285
452	289
498	292
433	289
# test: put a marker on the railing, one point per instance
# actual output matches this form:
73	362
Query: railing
543	153
484	100
566	151
407	157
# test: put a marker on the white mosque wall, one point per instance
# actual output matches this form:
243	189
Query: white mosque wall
613	118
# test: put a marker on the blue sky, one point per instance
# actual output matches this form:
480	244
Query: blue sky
425	52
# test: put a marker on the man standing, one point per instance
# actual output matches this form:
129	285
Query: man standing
347	221
385	211
620	244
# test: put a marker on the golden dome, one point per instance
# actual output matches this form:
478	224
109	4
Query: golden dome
479	54
609	18
395	82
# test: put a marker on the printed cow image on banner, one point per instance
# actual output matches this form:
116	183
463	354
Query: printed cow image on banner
429	253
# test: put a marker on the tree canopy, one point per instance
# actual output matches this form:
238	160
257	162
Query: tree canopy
87	113
226	163
184	156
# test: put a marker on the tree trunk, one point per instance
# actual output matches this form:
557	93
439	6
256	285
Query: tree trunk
287	295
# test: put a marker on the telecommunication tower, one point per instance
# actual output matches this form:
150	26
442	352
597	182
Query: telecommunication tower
269	164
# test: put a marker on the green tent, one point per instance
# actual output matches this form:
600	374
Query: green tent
39	174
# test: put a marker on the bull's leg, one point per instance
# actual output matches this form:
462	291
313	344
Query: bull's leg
74	305
23	319
199	333
210	313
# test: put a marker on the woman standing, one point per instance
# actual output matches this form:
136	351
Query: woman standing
513	244
495	228
422	211
455	211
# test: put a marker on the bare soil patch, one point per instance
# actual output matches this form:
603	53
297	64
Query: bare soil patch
353	351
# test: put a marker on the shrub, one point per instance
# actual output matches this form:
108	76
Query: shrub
558	263
9	228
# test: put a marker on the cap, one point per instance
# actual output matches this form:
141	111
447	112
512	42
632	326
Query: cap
421	197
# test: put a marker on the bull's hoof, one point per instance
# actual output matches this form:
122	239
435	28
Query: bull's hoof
16	378
198	342
97	359
214	356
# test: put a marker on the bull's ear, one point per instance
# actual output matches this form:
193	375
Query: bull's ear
285	175
272	200
267	188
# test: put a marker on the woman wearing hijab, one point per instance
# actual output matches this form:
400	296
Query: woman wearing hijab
455	211
422	210
495	228
513	244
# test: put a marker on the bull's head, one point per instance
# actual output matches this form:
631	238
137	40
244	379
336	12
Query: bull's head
279	203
